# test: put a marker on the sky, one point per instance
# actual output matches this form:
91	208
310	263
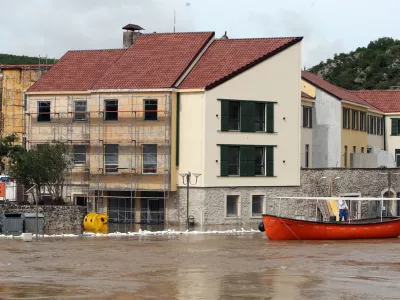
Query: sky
52	27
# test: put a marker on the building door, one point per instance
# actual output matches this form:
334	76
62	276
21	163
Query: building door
397	157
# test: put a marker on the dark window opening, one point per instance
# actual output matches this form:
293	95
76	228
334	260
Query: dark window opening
233	161
307	154
79	154
80	110
307	117
259	116
150	107
149	159
232	203
234	115
256	205
345	156
111	158
346	118
43	111
111	110
354	124
259	160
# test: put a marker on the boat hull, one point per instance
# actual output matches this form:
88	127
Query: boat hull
278	228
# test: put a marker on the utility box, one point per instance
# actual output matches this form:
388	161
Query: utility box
13	222
30	222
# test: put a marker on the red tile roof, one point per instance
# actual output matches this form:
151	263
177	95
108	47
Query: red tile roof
307	96
385	100
77	70
154	61
227	58
334	90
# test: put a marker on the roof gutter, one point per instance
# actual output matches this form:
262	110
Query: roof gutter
353	103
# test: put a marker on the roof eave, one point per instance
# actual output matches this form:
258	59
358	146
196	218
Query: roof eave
252	64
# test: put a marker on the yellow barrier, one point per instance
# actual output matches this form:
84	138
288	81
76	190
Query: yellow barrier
334	208
94	222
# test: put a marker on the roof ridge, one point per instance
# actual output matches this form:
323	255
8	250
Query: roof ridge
261	38
186	32
367	91
88	50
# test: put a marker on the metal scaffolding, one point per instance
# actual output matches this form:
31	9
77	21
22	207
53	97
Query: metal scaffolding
127	142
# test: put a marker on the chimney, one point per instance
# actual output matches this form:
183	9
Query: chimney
131	34
224	37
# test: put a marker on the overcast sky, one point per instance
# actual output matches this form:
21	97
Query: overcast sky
40	27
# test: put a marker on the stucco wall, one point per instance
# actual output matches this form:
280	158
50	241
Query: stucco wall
326	131
278	80
352	138
208	205
192	135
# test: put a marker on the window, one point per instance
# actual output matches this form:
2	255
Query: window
346	118
256	205
307	117
232	206
149	159
150	109
259	116
362	149
380	126
43	111
233	161
79	154
395	126
234	115
247	116
111	158
345	156
397	156
111	110
247	160
354	120
307	156
354	149
375	125
363	121
80	110
81	201
259	160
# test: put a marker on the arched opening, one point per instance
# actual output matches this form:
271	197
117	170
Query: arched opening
389	206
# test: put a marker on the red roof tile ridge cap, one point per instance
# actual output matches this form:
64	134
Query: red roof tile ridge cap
373	91
262	38
170	33
88	50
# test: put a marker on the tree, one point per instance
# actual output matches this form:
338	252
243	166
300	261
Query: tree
45	167
7	148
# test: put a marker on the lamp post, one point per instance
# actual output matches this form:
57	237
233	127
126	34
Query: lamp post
330	188
186	178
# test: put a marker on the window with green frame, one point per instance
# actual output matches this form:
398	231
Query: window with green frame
395	126
247	116
247	160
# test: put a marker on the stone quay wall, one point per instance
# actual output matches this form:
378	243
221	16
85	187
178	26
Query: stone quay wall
57	219
208	205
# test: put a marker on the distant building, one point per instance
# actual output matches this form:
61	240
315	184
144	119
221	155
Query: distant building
14	81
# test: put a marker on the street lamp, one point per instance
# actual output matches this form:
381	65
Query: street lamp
186	178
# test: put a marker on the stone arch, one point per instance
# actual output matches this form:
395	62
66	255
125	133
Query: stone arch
384	193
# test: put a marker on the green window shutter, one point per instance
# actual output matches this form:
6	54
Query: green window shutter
247	114
224	115
395	126
247	161
224	160
270	117
270	160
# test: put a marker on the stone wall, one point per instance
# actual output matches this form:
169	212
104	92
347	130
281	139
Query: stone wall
208	205
57	219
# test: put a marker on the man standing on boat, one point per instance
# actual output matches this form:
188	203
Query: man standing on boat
342	210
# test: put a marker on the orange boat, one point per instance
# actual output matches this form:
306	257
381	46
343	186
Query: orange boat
279	228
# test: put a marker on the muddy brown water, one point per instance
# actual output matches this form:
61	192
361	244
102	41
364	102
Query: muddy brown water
235	266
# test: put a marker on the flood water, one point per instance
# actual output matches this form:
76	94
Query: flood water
235	266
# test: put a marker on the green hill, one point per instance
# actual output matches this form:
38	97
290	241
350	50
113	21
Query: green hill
376	66
9	59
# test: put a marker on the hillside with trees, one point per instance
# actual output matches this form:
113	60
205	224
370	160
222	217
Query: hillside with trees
10	59
376	66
